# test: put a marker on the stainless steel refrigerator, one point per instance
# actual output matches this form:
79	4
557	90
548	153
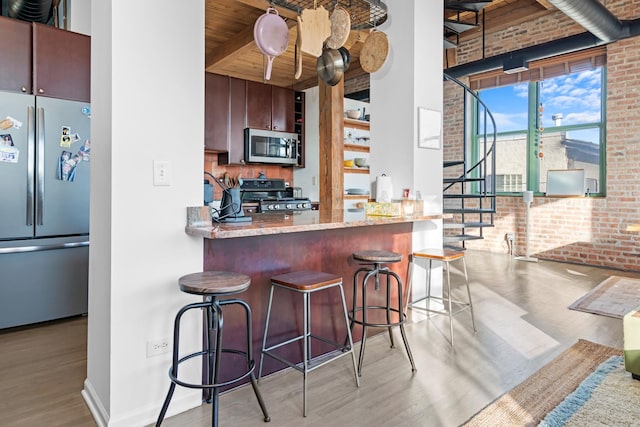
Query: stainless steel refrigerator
45	153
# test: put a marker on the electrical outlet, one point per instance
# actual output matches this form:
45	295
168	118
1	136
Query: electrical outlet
159	346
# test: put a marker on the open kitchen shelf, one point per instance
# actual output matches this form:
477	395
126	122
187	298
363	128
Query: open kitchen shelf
355	123
356	170
355	147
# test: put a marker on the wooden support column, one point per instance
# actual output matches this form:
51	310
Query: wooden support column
331	100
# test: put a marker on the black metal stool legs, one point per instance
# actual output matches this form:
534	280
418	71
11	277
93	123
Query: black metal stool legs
214	321
173	372
250	361
375	272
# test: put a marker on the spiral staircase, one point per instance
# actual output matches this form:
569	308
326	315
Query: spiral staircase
454	27
469	192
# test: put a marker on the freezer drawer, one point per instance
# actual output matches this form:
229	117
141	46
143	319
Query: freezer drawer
41	282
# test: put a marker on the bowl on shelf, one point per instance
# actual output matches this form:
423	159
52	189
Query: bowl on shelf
360	162
353	114
349	163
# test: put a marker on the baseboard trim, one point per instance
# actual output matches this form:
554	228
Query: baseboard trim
100	415
182	401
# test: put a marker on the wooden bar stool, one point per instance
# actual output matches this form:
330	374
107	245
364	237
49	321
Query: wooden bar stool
374	261
306	283
446	256
212	285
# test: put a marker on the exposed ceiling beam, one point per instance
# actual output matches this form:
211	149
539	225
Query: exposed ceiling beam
356	36
240	43
545	4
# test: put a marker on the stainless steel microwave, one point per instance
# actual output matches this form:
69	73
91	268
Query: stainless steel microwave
267	146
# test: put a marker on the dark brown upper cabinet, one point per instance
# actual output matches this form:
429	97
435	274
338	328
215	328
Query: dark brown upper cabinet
237	122
270	107
61	63
283	109
216	112
224	109
232	105
15	50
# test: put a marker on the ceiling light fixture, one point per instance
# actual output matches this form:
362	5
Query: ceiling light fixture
515	65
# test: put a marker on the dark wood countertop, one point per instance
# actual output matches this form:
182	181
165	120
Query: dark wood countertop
278	223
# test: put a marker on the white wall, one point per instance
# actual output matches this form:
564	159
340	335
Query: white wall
147	104
79	16
410	78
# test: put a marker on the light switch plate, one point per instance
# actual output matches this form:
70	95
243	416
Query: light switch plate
161	173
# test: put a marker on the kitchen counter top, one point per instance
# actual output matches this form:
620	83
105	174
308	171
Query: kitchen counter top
199	225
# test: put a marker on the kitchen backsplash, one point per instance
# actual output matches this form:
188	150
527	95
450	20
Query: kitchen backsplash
247	171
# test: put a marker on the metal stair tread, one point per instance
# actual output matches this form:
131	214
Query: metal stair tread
455	225
461	237
453	180
450	163
458	27
468	210
448	44
467	6
468	196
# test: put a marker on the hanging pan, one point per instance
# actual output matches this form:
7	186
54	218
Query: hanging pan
271	35
330	66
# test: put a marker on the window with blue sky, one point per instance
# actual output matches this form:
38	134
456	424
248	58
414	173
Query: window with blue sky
552	124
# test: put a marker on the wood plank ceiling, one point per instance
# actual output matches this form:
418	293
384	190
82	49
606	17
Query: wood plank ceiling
231	50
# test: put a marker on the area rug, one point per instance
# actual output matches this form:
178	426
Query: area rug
608	395
614	297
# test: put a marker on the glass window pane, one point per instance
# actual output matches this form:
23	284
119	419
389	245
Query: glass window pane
508	104
511	163
574	149
571	100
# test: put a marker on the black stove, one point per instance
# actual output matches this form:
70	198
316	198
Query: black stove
284	204
271	195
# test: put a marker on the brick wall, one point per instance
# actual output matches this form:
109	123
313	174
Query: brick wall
579	230
245	171
357	84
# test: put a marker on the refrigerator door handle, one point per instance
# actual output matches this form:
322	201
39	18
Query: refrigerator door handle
39	248
31	125
40	187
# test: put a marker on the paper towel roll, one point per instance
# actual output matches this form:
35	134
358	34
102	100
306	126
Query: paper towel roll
384	188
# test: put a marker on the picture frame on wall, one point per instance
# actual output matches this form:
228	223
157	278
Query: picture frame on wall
429	128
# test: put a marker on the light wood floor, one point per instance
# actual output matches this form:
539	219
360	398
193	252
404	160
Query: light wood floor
522	323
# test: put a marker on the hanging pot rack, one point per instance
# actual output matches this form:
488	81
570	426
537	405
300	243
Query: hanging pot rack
365	14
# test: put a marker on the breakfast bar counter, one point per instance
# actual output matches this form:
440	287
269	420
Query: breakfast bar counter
277	243
278	223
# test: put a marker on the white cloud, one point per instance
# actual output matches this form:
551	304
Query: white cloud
509	121
581	117
579	91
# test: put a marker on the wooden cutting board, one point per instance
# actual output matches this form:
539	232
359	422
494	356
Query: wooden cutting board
315	28
340	28
374	51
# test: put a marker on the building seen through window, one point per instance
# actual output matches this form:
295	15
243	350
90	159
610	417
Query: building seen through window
553	124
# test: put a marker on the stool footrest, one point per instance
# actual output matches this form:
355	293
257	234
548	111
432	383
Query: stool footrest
206	386
313	363
354	319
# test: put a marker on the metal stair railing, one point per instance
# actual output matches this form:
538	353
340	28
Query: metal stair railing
478	173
